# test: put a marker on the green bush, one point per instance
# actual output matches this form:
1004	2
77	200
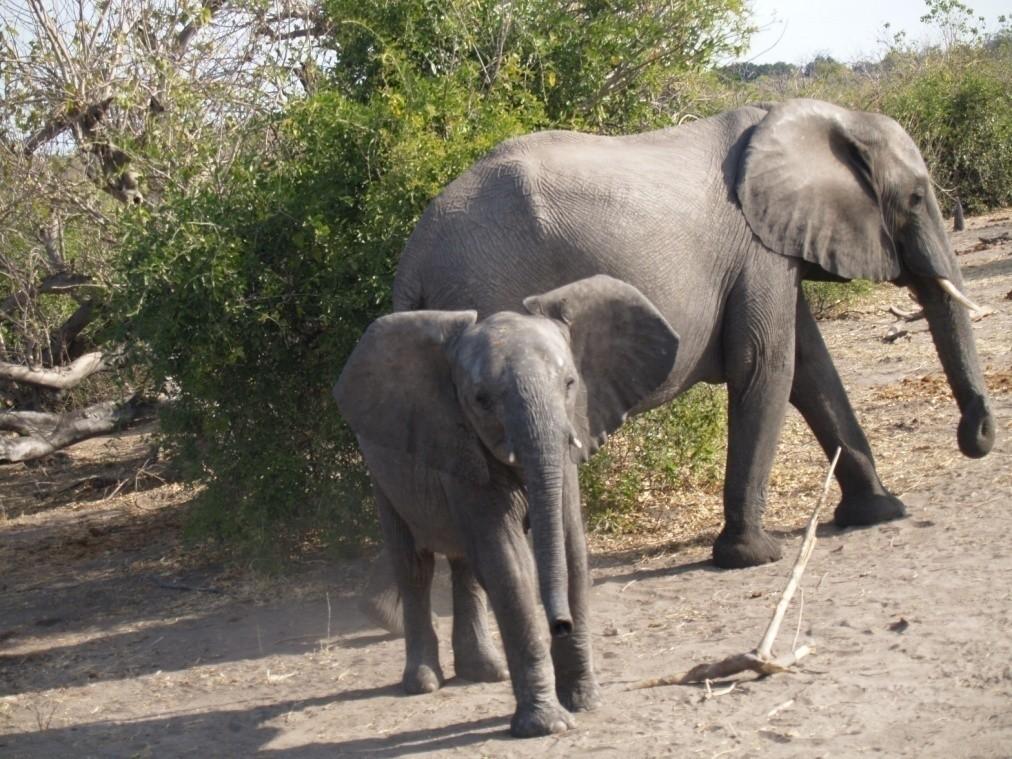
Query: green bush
249	300
829	299
958	109
250	294
673	447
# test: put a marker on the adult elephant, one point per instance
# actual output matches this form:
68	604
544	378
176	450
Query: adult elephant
718	222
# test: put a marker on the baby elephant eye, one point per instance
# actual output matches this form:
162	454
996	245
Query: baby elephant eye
570	382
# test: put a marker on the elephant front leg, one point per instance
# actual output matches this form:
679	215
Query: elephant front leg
413	571
759	362
474	655
504	565
819	395
572	656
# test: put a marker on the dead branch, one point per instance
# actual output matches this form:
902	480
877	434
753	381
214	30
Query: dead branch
65	120
761	659
60	282
41	434
63	378
51	237
907	316
182	39
64	343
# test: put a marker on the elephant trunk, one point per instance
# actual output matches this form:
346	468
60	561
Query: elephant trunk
953	337
543	454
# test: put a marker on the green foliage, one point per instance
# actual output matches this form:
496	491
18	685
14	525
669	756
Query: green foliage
250	300
600	66
673	447
829	299
250	294
958	108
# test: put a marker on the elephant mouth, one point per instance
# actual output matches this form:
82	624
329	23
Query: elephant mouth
976	429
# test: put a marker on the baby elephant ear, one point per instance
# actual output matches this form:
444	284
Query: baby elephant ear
396	392
621	344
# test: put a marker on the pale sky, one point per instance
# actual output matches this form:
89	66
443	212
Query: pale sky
848	30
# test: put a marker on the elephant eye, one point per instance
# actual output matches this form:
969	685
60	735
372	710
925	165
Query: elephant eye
570	382
483	401
916	199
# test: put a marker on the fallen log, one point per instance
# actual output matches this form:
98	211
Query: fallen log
39	434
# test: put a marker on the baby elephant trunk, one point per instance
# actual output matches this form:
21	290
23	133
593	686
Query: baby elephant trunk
544	477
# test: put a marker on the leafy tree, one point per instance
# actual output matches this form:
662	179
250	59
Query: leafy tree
105	106
824	66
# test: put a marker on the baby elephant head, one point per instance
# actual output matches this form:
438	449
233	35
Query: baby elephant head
535	391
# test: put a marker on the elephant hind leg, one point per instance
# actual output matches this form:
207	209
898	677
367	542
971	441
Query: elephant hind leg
819	395
413	569
380	601
474	654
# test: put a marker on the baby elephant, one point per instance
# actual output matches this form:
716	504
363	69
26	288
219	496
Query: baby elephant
472	431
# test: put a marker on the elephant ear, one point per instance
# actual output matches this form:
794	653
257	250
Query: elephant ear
622	346
396	392
807	188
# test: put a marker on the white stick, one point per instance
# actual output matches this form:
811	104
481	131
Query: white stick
804	554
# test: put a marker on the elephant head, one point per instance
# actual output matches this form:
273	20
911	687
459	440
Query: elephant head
532	392
848	192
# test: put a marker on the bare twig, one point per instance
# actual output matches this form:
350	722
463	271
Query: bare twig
761	660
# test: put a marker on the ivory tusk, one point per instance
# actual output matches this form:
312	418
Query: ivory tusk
576	441
512	458
952	290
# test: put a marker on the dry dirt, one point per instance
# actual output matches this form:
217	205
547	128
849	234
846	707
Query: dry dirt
115	641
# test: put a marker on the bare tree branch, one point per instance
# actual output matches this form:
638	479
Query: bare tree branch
87	117
58	379
42	434
51	237
184	37
61	282
61	345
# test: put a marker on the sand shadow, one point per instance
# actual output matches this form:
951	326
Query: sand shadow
235	631
242	732
998	268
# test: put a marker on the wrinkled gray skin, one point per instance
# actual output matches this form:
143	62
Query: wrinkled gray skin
473	429
717	222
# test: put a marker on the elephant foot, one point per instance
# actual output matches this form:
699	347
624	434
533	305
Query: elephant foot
480	666
864	510
745	549
583	695
544	719
422	679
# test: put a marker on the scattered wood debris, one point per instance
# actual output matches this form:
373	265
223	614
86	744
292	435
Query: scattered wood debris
761	659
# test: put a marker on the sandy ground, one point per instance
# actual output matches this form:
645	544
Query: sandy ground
115	642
